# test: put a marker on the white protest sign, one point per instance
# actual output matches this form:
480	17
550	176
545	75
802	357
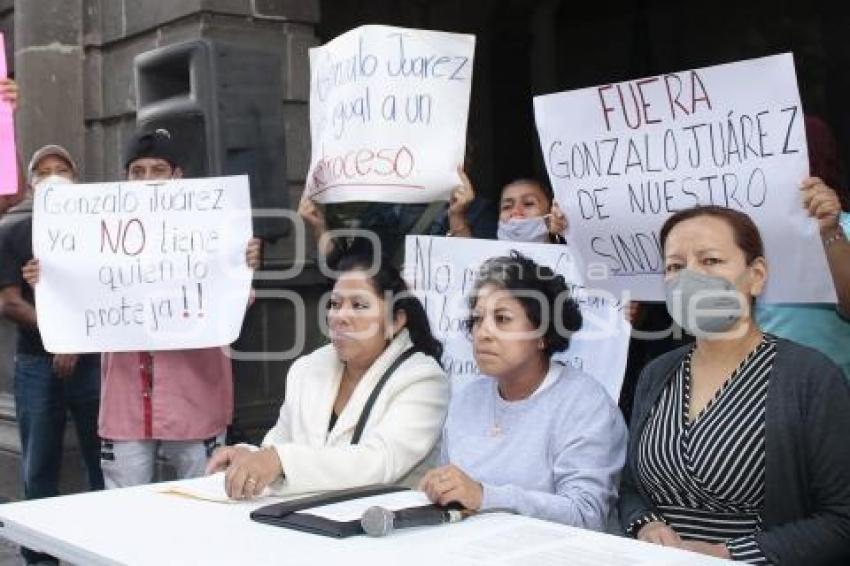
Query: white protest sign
142	265
388	111
442	273
623	157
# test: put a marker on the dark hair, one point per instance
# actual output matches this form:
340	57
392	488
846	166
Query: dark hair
547	192
825	158
156	144
744	230
388	283
520	273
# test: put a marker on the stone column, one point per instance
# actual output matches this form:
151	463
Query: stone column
48	67
49	70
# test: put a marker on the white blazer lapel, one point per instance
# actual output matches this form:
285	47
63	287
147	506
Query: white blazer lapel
344	429
317	405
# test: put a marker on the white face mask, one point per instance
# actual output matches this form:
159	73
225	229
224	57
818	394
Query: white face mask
53	180
524	230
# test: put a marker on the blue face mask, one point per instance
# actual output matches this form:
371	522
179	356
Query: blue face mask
524	230
703	304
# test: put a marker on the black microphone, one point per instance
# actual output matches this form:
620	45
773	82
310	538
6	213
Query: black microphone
379	521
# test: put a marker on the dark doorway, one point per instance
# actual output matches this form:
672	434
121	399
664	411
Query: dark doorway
531	47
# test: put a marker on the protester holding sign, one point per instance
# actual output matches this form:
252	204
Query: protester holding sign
179	402
47	386
527	213
388	114
391	222
622	157
176	403
738	444
365	409
538	438
823	326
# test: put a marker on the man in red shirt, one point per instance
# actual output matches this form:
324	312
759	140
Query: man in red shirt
173	405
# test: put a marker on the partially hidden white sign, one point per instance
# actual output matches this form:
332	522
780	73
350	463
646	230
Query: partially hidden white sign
623	157
442	273
141	265
388	113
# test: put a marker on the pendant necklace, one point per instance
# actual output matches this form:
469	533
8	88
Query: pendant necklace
496	429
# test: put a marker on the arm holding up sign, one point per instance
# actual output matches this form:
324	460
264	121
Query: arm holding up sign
310	212
459	203
557	222
31	272
824	206
253	253
9	94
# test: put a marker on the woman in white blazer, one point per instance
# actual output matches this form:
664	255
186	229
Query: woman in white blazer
373	321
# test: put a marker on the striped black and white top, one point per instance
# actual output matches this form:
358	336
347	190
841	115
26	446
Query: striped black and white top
706	476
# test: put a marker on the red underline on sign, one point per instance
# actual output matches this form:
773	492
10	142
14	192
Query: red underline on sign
374	185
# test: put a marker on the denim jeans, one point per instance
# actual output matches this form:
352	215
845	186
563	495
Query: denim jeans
42	403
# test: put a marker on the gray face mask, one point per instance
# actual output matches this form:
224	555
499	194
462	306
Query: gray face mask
524	230
703	304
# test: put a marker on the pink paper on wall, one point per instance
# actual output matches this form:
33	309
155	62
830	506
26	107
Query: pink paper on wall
8	155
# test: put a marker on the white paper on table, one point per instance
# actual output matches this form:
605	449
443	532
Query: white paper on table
206	488
353	509
546	546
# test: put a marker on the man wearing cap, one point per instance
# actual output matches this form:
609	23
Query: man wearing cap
176	404
47	386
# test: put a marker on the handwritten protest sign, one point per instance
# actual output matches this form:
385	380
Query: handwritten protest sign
623	157
388	111
8	154
142	265
442	273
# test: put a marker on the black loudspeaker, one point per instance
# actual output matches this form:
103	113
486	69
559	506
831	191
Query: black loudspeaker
223	106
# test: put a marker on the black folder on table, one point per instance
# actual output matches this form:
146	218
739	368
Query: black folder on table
295	514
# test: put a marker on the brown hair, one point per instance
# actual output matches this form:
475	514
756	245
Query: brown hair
744	230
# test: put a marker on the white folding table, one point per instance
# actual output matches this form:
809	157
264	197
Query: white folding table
143	526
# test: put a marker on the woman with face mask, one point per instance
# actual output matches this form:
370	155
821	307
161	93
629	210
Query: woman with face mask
329	434
738	443
529	435
528	214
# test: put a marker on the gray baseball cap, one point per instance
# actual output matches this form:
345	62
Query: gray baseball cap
47	150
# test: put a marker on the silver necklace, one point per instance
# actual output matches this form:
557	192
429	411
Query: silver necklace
496	429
